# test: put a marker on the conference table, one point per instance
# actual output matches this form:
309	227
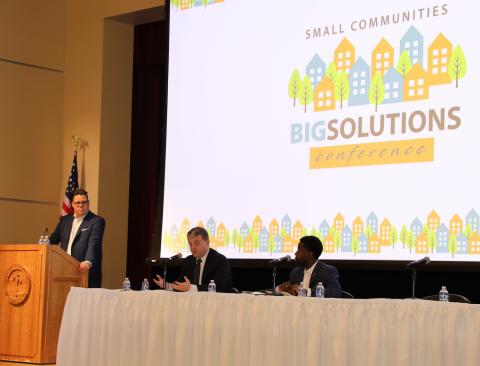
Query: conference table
113	327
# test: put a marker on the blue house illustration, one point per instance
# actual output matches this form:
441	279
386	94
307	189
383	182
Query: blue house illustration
393	84
211	226
315	70
324	228
244	230
346	239
442	239
198	3
472	219
278	244
362	243
263	238
416	227
412	42
287	224
174	232
359	79
462	244
372	221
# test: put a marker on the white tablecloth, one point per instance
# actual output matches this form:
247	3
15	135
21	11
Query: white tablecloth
111	327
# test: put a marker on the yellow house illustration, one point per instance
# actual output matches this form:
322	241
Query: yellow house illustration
177	245
456	225
185	4
257	225
201	224
297	230
221	235
219	1
324	96
382	57
385	227
357	227
287	244
373	244
344	56
416	84
439	53
421	244
273	228
248	244
338	223
185	226
329	244
474	244
433	221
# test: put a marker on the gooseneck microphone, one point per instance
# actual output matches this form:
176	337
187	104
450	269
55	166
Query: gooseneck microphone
175	257
419	262
282	259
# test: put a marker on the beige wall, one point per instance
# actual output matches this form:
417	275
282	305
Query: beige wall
71	70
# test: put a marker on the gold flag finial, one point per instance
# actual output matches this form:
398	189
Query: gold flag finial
75	140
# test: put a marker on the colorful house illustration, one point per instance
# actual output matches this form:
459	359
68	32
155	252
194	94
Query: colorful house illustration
474	244
357	226
324	96
198	2
472	220
421	244
393	85
329	244
211	226
442	239
288	244
362	244
433	221
263	238
439	53
244	230
185	226
338	222
221	235
456	225
372	221
385	228
412	42
324	228
287	224
416	85
297	231
185	4
462	244
278	244
201	224
382	58
315	70
346	239
344	56
248	244
359	80
416	227
257	225
174	232
374	244
273	228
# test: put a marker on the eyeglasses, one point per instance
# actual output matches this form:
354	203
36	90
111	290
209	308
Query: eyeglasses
80	203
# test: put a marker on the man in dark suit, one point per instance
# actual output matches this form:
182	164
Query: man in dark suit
81	235
311	271
203	265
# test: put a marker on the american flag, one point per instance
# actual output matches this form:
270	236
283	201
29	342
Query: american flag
71	186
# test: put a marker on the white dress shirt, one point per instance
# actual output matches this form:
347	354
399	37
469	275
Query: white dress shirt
194	288
307	275
77	221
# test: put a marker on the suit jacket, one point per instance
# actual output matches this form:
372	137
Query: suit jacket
216	268
87	244
322	272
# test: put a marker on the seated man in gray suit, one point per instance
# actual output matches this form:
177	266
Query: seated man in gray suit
81	235
311	271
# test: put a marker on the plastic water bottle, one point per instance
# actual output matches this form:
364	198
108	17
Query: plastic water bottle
126	284
145	285
320	290
212	287
41	240
46	239
443	294
302	291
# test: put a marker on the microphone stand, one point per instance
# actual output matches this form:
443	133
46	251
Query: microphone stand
274	277
165	276
414	278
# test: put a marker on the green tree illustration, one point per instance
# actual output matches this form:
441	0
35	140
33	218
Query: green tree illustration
304	231
355	245
377	91
368	231
337	240
393	235
332	73
468	231
453	245
432	240
403	235
410	240
457	66
305	94
234	238
271	245
404	64
342	88
227	238
294	86
239	243
205	3
175	3
256	242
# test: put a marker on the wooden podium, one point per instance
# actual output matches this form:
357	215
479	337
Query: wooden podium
34	283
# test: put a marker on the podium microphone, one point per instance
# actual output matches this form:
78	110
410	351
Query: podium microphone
175	257
419	262
282	259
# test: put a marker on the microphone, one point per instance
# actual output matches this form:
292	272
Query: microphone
175	257
282	259
419	262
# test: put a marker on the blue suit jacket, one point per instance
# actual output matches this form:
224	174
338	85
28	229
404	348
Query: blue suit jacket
322	272
87	244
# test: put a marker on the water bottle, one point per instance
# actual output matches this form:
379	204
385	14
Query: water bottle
212	287
302	291
46	239
443	294
145	285
41	240
320	290
126	284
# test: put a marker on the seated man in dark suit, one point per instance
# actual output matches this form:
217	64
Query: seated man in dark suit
311	271
81	235
203	265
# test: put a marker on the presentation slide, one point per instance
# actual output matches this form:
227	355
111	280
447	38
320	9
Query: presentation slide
356	122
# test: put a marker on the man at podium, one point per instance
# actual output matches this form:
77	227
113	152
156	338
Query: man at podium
81	235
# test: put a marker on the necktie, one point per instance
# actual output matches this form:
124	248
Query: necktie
196	272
